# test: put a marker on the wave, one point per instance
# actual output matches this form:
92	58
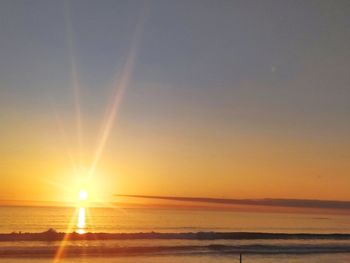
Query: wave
52	235
189	243
71	250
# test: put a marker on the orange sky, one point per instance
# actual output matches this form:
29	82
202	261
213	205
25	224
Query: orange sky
232	100
235	167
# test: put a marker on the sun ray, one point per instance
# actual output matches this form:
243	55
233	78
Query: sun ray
65	142
120	87
75	79
60	249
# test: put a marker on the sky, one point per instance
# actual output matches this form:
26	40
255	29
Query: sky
220	99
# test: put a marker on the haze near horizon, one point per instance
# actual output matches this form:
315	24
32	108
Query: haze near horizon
224	99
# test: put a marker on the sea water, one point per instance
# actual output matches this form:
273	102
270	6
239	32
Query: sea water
117	220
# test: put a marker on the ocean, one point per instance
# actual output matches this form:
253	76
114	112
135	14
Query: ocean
166	235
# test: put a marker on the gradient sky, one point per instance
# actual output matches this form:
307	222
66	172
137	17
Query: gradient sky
230	99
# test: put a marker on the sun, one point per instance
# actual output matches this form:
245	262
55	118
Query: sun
83	195
88	190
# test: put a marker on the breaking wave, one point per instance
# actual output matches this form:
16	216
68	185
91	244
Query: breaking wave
22	245
52	235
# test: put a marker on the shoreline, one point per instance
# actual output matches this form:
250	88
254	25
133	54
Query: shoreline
78	251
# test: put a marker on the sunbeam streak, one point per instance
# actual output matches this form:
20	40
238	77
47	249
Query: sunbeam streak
75	79
60	250
120	85
63	134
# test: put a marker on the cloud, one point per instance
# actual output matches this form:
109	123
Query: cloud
296	203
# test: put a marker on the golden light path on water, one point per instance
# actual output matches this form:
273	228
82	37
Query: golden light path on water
122	80
81	224
81	221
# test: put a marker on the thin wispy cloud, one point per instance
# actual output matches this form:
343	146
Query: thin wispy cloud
295	203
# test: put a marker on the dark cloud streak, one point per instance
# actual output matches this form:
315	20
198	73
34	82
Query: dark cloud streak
296	203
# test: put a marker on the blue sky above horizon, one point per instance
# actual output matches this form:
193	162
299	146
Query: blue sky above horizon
217	88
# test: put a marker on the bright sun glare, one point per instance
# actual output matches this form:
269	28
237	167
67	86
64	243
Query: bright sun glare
83	195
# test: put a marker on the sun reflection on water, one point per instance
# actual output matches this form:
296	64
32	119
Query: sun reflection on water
81	224
81	220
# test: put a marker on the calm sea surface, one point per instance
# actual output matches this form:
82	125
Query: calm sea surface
36	219
114	220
